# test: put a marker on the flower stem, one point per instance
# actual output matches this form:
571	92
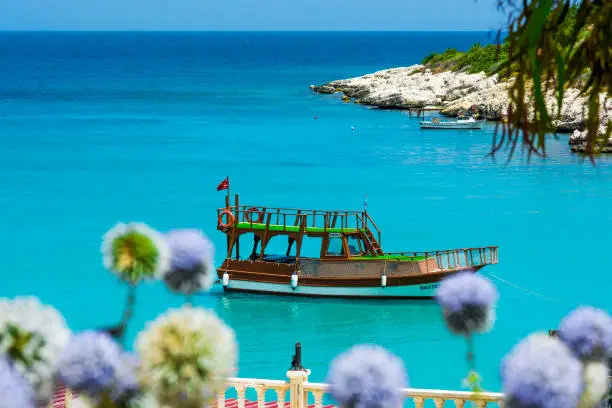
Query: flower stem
127	311
471	359
473	378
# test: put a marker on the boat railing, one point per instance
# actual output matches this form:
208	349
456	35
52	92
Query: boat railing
456	259
371	226
294	217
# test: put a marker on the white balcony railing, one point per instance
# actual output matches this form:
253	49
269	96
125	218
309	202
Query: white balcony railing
301	392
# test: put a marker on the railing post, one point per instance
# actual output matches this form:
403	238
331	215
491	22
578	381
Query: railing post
297	375
297	394
240	394
261	396
419	402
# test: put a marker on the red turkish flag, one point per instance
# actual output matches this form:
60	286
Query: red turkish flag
224	185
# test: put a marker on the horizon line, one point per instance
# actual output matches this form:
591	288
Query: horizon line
242	31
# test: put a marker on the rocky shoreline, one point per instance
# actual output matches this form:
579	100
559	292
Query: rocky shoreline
416	87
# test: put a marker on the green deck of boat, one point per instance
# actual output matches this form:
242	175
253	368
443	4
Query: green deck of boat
292	228
387	258
295	228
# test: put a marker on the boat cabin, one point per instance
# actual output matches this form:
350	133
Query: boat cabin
333	245
285	235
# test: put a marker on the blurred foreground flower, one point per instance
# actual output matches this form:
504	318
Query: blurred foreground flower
468	306
595	376
146	401
467	300
367	376
587	331
32	336
95	365
14	389
541	372
191	262
135	252
186	356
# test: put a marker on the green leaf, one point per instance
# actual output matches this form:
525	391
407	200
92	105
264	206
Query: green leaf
537	86
560	78
535	23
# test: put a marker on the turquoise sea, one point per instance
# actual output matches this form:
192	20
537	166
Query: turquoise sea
97	128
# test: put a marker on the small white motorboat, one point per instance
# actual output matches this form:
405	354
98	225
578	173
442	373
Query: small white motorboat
436	123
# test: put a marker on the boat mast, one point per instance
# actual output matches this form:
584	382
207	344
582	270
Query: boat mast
235	236
228	189
227	196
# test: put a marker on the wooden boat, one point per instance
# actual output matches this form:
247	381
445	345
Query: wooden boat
436	123
348	259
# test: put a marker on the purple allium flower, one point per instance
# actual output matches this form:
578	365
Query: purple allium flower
588	333
93	363
191	261
126	382
367	376
467	301
14	389
541	372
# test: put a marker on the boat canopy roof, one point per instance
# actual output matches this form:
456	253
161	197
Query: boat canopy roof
236	219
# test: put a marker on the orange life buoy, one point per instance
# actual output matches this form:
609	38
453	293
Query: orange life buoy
230	218
248	215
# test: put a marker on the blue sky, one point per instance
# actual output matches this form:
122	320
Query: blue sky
249	15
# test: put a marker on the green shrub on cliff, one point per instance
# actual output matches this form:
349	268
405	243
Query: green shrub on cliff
491	58
478	58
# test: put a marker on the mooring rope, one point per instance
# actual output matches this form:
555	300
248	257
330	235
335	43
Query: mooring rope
523	288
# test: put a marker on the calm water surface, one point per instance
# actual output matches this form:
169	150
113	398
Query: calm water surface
97	128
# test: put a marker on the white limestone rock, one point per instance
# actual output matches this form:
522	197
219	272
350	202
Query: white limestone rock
409	87
492	102
577	140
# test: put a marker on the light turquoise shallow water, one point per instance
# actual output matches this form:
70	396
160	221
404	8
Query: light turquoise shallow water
96	129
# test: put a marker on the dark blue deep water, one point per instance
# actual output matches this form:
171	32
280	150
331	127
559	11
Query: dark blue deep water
97	128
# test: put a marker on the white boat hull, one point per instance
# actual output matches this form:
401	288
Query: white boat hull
418	291
470	123
451	125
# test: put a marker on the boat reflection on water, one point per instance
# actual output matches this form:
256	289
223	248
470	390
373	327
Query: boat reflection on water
346	311
268	326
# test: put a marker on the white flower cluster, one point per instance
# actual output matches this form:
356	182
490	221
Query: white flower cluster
186	355
109	255
46	333
595	383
